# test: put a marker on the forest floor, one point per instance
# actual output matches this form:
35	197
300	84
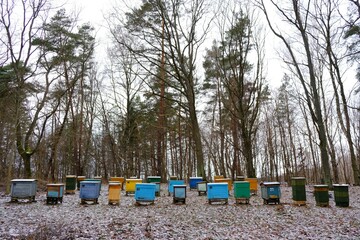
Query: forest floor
165	220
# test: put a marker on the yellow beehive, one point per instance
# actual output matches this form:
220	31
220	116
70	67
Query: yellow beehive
118	179
130	185
114	192
218	177
253	185
225	180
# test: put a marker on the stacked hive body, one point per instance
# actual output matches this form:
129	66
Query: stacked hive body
130	185
242	191
202	187
321	193
225	180
298	190
55	192
70	182
89	191
179	194
145	192
121	180
193	181
171	184
217	192
114	192
341	192
23	189
253	185
270	192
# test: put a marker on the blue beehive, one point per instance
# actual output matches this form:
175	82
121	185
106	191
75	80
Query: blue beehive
217	192
270	192
145	192
157	189
55	192
172	183
193	181
89	191
179	193
23	189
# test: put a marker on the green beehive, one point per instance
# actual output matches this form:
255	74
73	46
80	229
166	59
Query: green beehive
321	193
70	184
341	192
298	190
153	179
242	191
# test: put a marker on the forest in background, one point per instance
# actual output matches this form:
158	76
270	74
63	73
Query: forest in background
161	107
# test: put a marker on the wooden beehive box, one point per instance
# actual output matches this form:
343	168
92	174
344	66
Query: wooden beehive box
55	193
23	189
89	191
145	192
171	184
193	181
179	195
242	191
217	192
114	192
270	192
130	185
70	181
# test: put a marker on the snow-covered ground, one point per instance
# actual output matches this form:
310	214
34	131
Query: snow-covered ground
164	220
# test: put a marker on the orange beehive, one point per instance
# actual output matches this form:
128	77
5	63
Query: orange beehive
225	180
118	179
253	185
218	177
114	192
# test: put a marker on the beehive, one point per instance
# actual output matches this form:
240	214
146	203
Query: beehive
270	192
240	178
70	181
341	192
130	185
242	191
218	177
202	187
298	190
114	192
153	179
145	192
225	180
118	179
321	193
23	189
89	191
55	192
79	179
193	182
179	195
253	185
95	180
171	184
217	192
